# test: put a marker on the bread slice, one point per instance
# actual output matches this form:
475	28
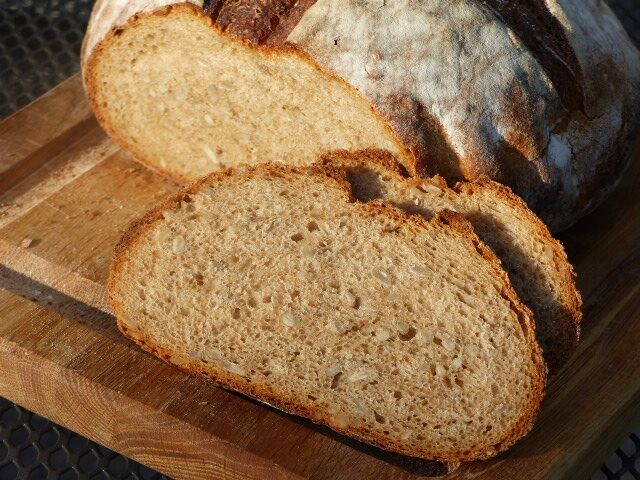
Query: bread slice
536	262
172	74
273	281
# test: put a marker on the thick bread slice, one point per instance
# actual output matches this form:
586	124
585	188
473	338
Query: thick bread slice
275	282
174	75
535	261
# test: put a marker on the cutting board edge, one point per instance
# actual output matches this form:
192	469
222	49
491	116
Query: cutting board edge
28	378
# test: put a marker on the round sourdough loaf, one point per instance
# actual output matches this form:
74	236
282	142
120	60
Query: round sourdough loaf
541	95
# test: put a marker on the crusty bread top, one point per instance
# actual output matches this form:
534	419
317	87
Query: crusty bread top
236	222
449	78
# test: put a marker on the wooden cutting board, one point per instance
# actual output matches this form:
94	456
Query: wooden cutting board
66	194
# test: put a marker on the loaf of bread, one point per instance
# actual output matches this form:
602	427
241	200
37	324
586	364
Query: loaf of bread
536	263
540	96
275	282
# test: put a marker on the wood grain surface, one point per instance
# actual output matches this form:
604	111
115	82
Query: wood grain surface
66	195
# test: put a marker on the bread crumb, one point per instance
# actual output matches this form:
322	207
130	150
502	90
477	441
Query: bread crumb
362	408
338	325
456	363
403	328
333	409
426	336
383	277
341	420
234	368
26	243
317	210
420	270
163	234
473	351
308	249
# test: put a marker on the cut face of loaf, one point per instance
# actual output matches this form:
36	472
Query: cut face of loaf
173	75
536	263
275	282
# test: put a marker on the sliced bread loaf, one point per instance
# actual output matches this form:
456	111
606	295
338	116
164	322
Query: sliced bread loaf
542	96
275	282
536	262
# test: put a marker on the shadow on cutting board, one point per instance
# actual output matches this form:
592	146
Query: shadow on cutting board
59	303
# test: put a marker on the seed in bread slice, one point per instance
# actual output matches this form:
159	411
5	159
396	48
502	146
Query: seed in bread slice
535	261
275	282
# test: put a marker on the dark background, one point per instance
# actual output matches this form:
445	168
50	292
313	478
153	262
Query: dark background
39	47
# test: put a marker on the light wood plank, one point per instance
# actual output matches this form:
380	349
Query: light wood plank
41	129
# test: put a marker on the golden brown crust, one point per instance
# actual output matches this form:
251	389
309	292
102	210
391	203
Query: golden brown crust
286	26
572	304
423	134
101	111
448	220
252	20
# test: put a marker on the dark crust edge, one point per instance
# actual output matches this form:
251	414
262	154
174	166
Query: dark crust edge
373	156
566	276
261	21
566	273
446	220
91	82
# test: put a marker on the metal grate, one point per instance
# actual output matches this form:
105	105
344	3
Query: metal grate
624	464
628	11
39	47
33	448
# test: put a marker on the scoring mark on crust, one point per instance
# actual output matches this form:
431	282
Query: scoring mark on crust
259	21
544	36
